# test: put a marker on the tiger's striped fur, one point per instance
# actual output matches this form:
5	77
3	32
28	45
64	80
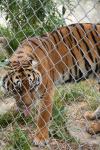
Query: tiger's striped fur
68	54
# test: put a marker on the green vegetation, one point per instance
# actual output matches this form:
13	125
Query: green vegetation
78	92
68	94
58	125
6	119
22	120
19	139
2	57
13	117
29	18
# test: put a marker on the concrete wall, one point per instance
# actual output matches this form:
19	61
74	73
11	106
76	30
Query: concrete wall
80	11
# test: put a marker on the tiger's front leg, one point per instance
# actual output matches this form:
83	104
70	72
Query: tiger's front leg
42	135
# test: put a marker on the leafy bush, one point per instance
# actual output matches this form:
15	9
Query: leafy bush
37	20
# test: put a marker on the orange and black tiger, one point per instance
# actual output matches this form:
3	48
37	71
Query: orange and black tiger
68	54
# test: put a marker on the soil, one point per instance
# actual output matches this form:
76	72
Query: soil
76	126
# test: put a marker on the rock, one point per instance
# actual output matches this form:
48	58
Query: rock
7	105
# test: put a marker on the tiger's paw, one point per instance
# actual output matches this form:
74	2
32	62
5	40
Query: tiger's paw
41	139
89	115
40	142
94	128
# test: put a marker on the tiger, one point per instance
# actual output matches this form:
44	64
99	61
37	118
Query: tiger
68	54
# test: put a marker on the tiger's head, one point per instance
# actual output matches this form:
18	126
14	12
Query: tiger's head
22	81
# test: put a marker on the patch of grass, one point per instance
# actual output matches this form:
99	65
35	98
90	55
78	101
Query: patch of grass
8	147
69	93
5	120
79	92
59	119
18	117
88	93
84	91
1	93
21	119
2	56
19	139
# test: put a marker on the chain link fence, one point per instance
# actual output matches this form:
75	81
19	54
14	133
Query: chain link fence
19	20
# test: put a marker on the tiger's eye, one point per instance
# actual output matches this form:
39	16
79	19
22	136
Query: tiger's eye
29	75
17	77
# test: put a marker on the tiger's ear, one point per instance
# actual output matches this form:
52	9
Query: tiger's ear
34	64
7	65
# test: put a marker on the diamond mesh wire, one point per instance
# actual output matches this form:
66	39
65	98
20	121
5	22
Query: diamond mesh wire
67	127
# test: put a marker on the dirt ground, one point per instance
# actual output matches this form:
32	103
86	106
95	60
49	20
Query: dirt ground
54	144
76	127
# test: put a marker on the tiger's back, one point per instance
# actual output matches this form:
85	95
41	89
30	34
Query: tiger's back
68	54
74	52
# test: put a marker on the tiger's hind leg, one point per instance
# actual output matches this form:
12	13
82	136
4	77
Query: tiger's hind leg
94	127
89	115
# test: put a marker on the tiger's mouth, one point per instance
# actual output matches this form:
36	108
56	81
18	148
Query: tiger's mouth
23	108
26	111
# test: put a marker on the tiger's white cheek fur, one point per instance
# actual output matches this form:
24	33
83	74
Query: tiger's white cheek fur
31	79
34	80
5	83
3	89
17	81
